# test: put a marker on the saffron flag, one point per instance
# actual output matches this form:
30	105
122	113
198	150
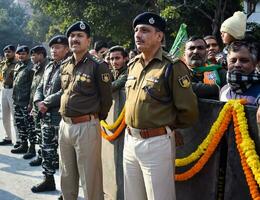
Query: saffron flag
177	49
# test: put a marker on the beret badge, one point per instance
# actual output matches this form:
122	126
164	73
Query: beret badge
151	20
82	26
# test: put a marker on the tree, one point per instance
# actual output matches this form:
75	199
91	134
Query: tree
112	19
13	19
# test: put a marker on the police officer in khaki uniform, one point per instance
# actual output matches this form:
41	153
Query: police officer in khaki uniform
7	92
86	98
159	99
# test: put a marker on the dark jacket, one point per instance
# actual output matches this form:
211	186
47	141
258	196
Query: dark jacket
120	77
49	90
23	75
37	77
207	91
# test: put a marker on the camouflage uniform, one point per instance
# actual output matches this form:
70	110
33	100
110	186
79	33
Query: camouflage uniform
23	75
49	91
38	73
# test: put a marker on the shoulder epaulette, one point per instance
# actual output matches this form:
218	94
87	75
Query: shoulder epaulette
171	58
94	59
133	60
66	60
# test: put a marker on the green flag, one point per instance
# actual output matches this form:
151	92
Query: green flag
177	49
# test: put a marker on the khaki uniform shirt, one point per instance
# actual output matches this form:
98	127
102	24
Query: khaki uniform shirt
8	72
86	87
143	111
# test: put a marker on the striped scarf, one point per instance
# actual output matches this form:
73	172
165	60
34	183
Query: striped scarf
239	82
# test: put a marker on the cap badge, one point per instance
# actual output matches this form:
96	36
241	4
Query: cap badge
58	40
151	20
82	26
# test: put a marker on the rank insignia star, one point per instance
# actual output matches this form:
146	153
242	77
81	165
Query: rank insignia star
184	81
106	77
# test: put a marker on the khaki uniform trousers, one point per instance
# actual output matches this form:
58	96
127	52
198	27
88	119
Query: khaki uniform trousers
7	112
80	157
149	167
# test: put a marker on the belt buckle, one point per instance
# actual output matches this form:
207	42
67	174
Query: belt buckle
134	132
67	120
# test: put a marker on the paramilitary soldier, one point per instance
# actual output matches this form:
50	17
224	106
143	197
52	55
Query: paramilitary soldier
7	92
38	58
47	98
159	98
23	75
86	98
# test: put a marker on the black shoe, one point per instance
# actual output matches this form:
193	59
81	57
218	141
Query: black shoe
36	162
21	149
30	153
17	144
60	198
48	184
5	142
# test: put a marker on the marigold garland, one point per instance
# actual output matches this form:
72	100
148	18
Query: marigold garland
210	150
116	123
179	162
118	131
253	188
247	145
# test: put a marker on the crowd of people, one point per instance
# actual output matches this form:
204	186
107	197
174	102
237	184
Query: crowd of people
58	103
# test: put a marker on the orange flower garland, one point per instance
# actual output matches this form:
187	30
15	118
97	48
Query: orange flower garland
209	151
251	182
118	131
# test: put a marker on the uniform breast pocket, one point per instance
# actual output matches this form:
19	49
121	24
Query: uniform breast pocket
129	85
151	89
64	81
85	84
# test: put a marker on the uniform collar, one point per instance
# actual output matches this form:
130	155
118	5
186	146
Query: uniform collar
158	55
83	59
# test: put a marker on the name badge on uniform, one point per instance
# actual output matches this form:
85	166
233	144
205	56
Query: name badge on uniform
105	77
184	81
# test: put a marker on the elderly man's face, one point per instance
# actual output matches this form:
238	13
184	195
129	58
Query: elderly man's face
241	61
195	53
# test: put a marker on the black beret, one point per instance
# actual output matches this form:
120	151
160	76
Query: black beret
22	48
59	39
38	49
9	48
79	26
150	18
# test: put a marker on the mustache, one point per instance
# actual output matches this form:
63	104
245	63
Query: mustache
139	40
196	57
75	42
